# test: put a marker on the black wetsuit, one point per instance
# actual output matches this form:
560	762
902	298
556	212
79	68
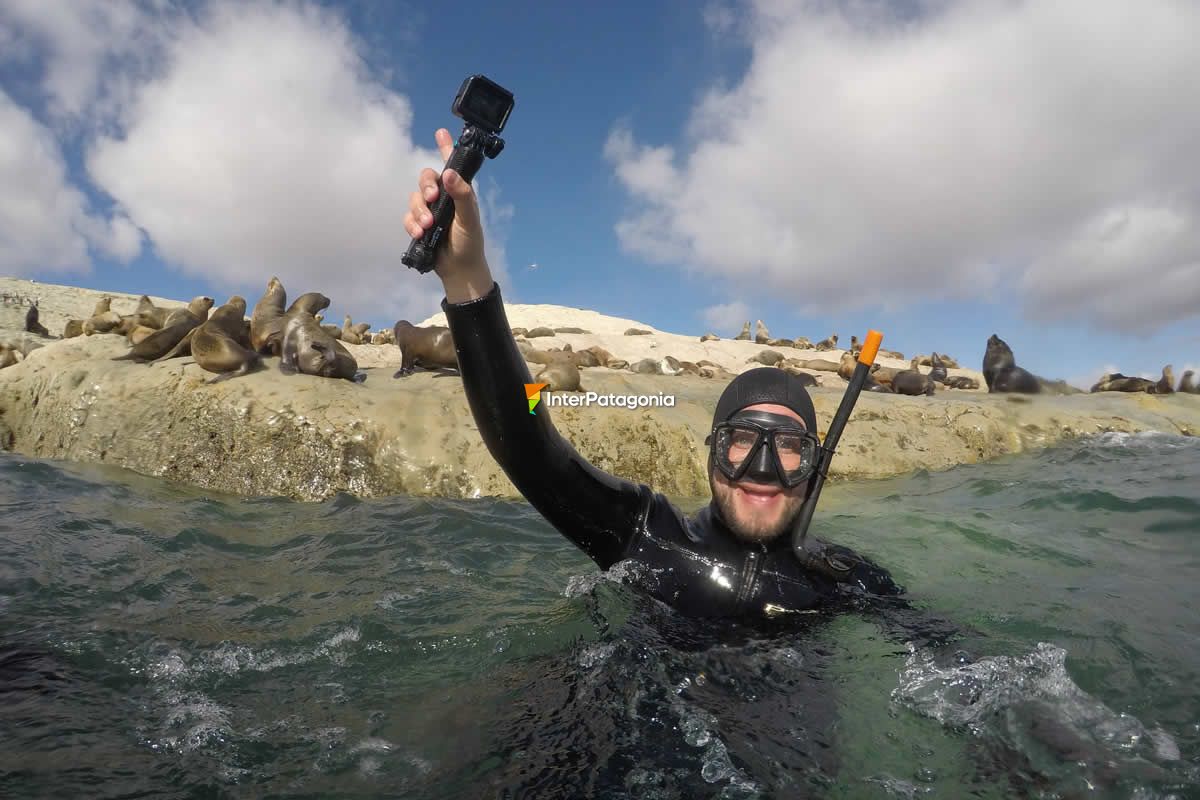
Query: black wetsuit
695	564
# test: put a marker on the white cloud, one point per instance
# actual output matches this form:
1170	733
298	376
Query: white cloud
727	317
969	147
45	223
263	147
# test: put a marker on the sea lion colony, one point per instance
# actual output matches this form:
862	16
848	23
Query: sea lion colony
297	336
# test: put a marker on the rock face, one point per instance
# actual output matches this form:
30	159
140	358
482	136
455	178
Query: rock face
309	438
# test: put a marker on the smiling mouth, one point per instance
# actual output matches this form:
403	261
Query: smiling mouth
758	497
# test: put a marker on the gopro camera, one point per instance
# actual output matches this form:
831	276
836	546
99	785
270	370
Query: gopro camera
484	105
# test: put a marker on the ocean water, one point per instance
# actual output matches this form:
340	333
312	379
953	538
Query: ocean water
165	642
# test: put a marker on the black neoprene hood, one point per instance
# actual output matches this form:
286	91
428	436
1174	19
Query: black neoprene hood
766	385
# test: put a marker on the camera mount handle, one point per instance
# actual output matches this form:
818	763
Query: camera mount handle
472	146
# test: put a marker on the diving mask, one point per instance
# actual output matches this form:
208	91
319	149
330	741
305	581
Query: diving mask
764	447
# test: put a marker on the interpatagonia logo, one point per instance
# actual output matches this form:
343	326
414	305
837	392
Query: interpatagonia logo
533	391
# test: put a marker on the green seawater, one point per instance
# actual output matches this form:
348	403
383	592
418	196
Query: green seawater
163	642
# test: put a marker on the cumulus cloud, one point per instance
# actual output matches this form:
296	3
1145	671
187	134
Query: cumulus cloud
872	153
727	316
264	147
45	223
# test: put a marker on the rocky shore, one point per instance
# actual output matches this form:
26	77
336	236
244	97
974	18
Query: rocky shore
309	438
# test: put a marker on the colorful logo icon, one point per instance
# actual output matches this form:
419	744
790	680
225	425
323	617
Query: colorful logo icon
534	392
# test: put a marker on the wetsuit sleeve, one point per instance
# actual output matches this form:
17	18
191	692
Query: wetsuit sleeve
600	513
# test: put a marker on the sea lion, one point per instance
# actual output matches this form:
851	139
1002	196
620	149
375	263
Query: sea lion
73	328
101	323
802	343
428	347
1116	382
216	344
638	332
768	357
761	334
827	344
912	382
539	332
162	343
960	382
1185	383
883	374
806	379
818	364
846	365
309	349
647	366
139	334
780	343
348	334
937	369
362	329
855	344
1166	384
563	376
267	321
744	336
31	322
8	356
1001	372
103	306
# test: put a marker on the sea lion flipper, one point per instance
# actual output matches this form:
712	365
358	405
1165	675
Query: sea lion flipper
182	349
359	377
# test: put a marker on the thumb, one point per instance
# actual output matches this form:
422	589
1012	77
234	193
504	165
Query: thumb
465	208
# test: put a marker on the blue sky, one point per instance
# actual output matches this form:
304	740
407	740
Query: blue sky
938	171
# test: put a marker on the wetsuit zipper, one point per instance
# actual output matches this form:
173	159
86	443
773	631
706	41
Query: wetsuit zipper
749	578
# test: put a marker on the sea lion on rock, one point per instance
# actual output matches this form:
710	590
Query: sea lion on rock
647	366
563	376
744	336
937	369
571	330
31	322
349	336
819	364
73	328
802	343
960	382
827	344
761	334
8	356
710	337
602	355
1116	382
781	343
161	343
101	323
1166	384
429	347
806	379
268	319
1001	372
1185	383
638	332
103	306
307	348
215	343
539	332
846	369
912	382
768	357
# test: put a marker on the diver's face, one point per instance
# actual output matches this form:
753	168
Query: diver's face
758	512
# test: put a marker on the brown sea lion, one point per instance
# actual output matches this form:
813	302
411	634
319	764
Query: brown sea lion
768	357
802	343
744	336
1166	384
1116	382
8	356
818	364
827	344
362	328
539	332
937	368
267	321
308	348
430	347
960	382
73	328
217	346
1001	372
806	378
101	323
602	355
1185	383
647	366
162	343
140	334
761	334
896	354
349	336
884	375
846	365
31	322
103	306
912	382
563	376
855	345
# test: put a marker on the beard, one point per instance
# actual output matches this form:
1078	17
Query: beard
751	527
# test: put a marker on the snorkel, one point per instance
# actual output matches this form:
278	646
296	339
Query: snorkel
862	369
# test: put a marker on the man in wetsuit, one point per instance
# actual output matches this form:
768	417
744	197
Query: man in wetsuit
735	557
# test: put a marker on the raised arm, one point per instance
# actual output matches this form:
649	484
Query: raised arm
595	510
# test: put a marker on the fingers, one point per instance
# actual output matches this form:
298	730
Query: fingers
463	195
445	143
